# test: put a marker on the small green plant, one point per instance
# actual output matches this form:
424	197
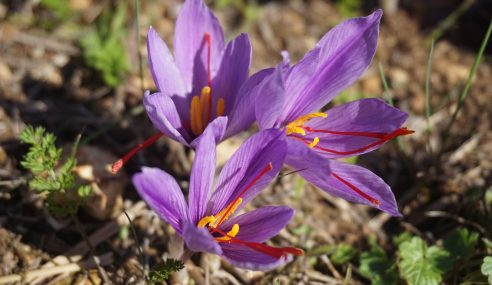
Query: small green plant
349	8
343	254
104	47
421	264
59	8
51	176
417	262
162	271
486	268
376	266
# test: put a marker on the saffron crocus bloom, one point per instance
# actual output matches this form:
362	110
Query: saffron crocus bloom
292	96
206	222
205	79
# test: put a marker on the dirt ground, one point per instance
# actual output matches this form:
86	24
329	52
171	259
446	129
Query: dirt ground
438	179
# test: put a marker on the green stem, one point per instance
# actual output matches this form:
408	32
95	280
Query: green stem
427	88
139	248
464	93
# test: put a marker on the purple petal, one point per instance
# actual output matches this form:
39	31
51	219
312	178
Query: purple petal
362	118
163	114
163	195
203	170
190	48
366	187
199	239
246	164
166	75
232	73
271	99
244	257
217	128
261	224
310	165
345	53
242	114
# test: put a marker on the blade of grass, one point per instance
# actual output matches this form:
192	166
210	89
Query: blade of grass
468	83
139	248
450	20
427	88
389	97
140	62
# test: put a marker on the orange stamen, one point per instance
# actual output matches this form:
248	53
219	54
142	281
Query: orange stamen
357	190
230	207
220	107
120	162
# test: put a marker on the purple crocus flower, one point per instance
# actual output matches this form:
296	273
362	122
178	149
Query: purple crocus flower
292	95
205	223
205	79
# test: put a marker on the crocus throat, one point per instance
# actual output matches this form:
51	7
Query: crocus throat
201	105
213	223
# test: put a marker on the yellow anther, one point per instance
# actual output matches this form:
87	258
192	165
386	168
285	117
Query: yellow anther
314	142
206	90
295	127
195	116
220	107
291	129
224	214
206	220
205	104
230	234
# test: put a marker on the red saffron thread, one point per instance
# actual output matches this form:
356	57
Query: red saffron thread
275	252
208	41
385	138
359	134
120	162
357	190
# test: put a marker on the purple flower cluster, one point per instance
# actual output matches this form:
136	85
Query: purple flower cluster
205	96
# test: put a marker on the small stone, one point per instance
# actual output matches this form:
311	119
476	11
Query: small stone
5	72
399	77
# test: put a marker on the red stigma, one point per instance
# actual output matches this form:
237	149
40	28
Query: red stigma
120	162
382	138
275	252
250	184
357	190
208	42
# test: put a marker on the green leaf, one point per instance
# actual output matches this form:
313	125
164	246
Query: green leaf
377	267
163	270
461	244
403	237
486	268
343	253
84	191
421	264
